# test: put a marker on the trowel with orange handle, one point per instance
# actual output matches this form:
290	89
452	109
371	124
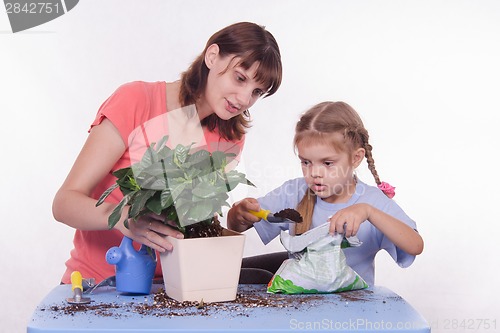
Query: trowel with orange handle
76	287
270	217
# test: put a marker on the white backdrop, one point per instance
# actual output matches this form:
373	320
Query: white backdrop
424	75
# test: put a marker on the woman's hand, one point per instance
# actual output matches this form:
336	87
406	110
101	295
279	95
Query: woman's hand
349	219
150	231
239	218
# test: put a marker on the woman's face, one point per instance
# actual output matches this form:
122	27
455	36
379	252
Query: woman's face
230	89
328	172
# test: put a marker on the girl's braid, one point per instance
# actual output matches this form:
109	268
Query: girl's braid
371	162
363	134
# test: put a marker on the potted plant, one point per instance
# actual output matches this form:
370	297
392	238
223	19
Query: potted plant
188	188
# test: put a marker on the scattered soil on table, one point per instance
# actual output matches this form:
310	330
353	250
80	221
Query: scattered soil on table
103	309
289	213
356	295
164	306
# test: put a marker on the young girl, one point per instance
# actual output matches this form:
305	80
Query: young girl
331	142
239	64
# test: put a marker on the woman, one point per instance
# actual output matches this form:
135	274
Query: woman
239	64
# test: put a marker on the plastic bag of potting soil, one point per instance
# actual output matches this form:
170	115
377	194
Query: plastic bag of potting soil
321	267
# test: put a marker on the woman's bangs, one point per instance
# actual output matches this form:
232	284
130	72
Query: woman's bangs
268	72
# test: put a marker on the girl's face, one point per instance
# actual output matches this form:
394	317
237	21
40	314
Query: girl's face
328	172
230	89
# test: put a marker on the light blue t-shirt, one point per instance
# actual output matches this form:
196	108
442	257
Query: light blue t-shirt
361	258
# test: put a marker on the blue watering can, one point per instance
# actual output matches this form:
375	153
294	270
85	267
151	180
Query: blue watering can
134	269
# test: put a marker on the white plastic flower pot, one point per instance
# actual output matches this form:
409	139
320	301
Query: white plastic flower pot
205	269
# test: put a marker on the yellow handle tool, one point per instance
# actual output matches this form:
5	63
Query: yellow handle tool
263	213
77	288
269	217
76	280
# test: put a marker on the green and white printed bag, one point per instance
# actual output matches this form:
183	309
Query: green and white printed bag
320	268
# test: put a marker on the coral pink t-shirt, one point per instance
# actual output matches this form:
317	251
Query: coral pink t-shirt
139	111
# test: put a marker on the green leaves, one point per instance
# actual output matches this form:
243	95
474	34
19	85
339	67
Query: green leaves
180	185
106	194
139	202
117	212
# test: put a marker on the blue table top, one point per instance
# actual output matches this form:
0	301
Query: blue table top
374	309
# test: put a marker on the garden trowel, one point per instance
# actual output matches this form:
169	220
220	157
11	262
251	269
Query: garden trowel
76	287
110	281
272	218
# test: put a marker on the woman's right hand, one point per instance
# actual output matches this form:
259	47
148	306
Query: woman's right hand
239	217
150	231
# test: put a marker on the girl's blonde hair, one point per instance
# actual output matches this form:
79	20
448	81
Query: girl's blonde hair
251	43
317	125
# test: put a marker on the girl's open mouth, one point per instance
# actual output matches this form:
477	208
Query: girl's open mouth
318	187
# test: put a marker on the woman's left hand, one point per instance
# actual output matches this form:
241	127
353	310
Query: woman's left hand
349	219
150	230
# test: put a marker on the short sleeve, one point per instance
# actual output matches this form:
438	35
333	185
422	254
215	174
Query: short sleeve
126	108
402	258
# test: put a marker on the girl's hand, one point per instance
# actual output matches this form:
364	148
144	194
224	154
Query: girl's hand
349	219
239	218
150	231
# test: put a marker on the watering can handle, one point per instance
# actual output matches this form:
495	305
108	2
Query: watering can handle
126	240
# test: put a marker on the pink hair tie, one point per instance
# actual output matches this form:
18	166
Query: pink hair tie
388	189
